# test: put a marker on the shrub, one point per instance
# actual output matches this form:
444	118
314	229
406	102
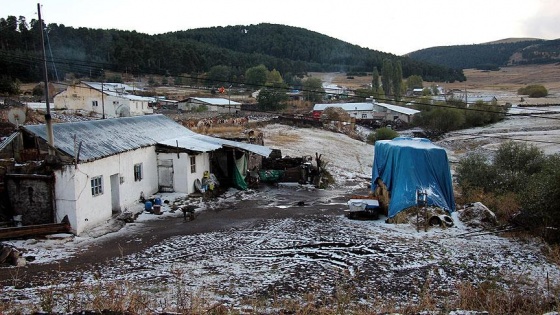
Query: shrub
475	172
439	120
382	134
520	185
534	90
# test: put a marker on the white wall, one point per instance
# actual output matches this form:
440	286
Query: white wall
183	179
73	187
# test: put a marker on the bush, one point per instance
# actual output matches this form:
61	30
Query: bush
520	185
439	120
382	134
534	90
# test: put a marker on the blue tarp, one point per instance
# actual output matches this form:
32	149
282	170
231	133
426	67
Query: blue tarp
407	165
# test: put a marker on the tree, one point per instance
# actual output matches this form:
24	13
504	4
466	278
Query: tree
375	79
387	76
397	80
272	99
439	120
534	90
313	89
256	76
219	75
274	77
177	80
414	82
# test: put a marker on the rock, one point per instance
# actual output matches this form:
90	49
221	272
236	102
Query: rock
478	215
4	253
127	217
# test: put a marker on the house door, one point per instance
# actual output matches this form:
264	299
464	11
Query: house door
165	175
115	193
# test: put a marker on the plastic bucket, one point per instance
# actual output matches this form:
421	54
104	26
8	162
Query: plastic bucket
148	206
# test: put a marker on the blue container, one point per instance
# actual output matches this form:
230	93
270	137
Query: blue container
157	201
148	206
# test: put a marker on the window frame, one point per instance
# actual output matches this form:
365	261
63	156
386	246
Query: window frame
138	172
96	185
193	163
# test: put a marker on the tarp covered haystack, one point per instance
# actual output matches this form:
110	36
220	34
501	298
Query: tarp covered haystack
409	165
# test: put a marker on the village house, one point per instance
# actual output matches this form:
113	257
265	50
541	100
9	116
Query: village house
370	111
106	99
101	167
390	112
469	98
359	111
213	104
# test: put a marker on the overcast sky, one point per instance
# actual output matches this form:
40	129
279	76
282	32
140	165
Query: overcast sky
394	26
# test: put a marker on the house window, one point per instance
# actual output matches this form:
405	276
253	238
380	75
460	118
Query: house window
97	186
115	102
364	116
94	103
193	164
138	172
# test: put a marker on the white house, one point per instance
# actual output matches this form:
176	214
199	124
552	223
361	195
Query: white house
394	112
104	165
356	110
110	99
214	104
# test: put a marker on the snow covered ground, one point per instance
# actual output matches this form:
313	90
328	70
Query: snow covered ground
320	256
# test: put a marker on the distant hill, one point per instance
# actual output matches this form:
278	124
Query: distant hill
491	56
85	52
512	40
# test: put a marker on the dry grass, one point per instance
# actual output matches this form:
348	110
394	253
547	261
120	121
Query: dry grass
494	299
128	298
283	138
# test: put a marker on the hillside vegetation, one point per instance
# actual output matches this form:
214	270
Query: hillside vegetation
88	52
491	56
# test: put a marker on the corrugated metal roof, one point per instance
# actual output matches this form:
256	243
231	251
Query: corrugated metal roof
215	101
106	137
346	106
399	109
118	90
8	140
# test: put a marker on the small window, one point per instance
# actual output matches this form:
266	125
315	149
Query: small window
94	103
115	102
193	164
137	172
364	116
97	186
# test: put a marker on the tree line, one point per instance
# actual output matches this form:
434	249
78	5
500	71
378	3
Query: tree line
87	52
488	56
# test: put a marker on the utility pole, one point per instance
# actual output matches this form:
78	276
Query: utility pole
48	120
102	102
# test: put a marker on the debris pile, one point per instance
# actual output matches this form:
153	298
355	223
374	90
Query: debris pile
478	215
11	255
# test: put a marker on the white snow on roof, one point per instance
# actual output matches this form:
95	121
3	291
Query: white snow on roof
116	135
215	101
345	106
118	90
399	109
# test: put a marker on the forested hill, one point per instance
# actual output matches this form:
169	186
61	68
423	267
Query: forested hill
490	56
87	52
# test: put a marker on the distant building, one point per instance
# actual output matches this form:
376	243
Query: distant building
356	110
110	99
469	98
393	112
370	111
214	104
